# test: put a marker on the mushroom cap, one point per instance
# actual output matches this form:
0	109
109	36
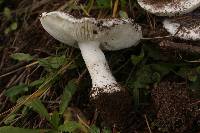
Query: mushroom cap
171	8
113	34
186	31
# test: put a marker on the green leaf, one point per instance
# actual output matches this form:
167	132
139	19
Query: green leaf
94	129
7	30
104	3
37	82
192	77
162	69
143	77
38	107
15	91
7	13
188	73
55	119
52	63
13	26
10	129
69	126
21	57
137	59
69	91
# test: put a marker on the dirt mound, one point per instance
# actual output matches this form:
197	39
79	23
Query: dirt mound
172	103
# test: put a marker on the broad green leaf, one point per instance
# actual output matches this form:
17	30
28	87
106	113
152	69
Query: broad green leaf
143	77
69	91
38	107
21	57
15	91
10	129
55	119
52	63
69	126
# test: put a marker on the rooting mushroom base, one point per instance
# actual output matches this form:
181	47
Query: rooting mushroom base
117	110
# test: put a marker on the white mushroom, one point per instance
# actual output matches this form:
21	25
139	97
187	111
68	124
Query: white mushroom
111	100
184	30
92	35
169	7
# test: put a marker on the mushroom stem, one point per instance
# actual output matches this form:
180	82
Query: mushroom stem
97	65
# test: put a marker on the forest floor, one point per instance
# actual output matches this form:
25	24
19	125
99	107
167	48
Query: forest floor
45	85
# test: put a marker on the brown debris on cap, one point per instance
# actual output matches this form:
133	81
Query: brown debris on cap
169	7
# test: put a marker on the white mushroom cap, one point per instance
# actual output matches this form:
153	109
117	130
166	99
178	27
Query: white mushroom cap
171	8
186	31
113	34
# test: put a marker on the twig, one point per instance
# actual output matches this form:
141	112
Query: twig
157	37
82	121
96	113
2	60
147	124
81	76
180	46
29	65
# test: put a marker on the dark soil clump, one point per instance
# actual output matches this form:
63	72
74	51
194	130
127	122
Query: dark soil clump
172	102
117	110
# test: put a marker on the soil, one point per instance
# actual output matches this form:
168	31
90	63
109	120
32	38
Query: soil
172	104
117	110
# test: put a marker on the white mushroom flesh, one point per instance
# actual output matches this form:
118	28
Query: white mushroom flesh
98	68
92	35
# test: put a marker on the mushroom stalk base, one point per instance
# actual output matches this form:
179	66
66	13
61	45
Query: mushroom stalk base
112	101
116	109
102	78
